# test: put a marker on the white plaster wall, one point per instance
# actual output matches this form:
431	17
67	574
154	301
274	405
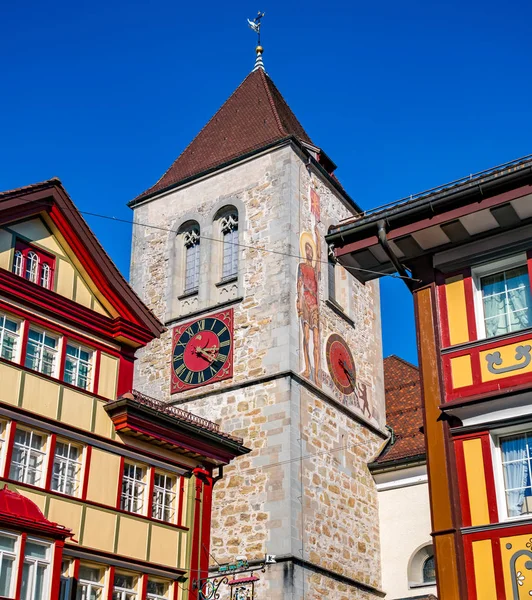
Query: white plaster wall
404	528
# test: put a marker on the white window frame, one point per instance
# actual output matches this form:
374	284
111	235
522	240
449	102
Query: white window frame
34	564
14	556
42	345
18	263
7	332
125	592
32	271
191	247
230	244
129	497
67	462
159	496
491	268
90	585
498	471
29	451
90	364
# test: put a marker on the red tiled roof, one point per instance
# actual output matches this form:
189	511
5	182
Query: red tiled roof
404	415
255	116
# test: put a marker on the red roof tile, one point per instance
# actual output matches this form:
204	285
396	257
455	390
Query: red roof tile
404	415
255	116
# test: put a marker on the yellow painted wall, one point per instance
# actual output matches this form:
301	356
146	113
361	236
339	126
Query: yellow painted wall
64	278
37	232
476	482
6	240
108	376
164	545
103	477
484	570
461	372
456	310
102	423
508	359
10	378
76	409
67	513
83	294
40	395
99	529
133	537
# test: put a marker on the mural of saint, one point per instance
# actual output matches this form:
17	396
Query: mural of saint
308	277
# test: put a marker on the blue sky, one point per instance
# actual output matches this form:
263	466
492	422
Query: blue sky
402	95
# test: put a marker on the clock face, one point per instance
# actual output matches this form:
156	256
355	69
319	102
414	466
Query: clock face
341	364
202	351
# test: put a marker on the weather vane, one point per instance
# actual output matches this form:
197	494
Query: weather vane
255	25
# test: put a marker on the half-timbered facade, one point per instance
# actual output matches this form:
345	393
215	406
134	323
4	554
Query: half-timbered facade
465	250
106	494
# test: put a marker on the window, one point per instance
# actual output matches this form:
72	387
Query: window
164	497
33	264
125	587
133	488
503	302
41	353
229	228
35	570
157	590
8	545
90	583
429	570
516	452
27	464
66	473
66	581
191	239
9	337
78	366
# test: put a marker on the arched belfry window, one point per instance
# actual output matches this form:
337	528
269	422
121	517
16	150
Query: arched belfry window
229	229
191	242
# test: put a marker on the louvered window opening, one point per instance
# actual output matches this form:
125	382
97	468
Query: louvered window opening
229	227
192	260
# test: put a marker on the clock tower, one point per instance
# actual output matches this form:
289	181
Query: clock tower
270	338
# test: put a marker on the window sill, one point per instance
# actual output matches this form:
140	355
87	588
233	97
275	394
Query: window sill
336	308
190	294
226	281
484	341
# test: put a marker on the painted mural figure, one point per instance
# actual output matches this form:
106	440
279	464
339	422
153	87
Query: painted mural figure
308	277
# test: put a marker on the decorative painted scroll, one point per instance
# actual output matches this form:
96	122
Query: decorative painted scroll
521	575
494	360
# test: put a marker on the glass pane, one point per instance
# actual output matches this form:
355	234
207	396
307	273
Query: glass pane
35	550
429	570
40	582
7	543
6	575
26	574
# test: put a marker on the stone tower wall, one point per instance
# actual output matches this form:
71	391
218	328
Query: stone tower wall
304	492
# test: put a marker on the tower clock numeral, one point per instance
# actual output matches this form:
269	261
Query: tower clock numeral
222	330
189	331
188	377
201	325
179	356
226	343
201	377
213	324
213	371
180	369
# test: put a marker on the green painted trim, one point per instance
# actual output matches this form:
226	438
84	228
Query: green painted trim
93	416
75	285
191	504
47	506
179	547
117	533
21	388
82	523
148	542
60	402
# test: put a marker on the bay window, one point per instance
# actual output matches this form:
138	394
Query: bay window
125	587
133	488
90	583
164	497
8	549
42	351
503	297
27	463
9	337
66	475
78	365
36	570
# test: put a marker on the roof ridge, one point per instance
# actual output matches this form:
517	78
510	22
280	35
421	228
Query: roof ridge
404	361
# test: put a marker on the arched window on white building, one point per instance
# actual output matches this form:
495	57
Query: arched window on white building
191	242
422	568
229	230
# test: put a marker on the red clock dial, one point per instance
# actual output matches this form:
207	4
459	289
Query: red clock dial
202	351
341	364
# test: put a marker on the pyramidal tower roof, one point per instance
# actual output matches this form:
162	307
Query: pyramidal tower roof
255	116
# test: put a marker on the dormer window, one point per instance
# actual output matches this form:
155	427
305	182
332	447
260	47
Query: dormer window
34	264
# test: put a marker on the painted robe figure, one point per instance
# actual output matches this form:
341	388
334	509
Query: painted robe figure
308	277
